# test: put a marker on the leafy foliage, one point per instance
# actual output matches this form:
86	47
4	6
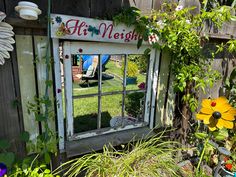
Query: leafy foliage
132	69
141	61
32	170
184	36
7	157
46	143
133	102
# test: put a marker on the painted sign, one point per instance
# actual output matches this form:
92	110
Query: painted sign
80	28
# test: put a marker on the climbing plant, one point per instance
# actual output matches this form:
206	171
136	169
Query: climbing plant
184	35
45	143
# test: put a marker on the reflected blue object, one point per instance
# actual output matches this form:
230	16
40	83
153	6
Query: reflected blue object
88	59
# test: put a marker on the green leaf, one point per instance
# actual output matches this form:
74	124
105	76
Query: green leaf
233	18
40	117
47	158
49	83
147	51
140	41
47	171
200	135
4	144
221	134
7	158
25	136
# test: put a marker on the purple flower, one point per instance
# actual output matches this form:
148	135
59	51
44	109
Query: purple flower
179	7
142	86
3	169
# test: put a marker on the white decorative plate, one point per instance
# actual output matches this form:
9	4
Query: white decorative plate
5	54
6	25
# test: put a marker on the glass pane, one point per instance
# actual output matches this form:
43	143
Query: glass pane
111	108
137	66
85	114
112	75
85	74
134	105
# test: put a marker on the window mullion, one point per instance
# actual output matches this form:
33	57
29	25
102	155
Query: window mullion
124	85
99	91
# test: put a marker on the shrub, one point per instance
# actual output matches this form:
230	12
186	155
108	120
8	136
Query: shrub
133	102
141	60
132	69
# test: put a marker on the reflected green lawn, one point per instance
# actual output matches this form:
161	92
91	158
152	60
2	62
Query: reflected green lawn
85	109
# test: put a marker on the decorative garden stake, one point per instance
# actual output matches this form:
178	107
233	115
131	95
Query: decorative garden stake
6	39
217	114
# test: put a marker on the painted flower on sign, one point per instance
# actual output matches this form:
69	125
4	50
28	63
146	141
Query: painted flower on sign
217	113
93	30
3	169
58	19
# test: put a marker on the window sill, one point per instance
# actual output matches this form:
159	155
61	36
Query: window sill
86	145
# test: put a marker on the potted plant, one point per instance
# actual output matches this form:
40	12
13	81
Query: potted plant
132	71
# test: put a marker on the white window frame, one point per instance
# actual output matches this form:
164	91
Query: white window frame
98	48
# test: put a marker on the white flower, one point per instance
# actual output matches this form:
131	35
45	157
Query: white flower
160	24
179	7
153	38
188	21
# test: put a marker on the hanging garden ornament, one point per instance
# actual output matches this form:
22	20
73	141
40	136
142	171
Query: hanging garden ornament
6	39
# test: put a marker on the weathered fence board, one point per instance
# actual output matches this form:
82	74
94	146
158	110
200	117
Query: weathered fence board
40	44
225	67
108	8
144	6
10	125
163	104
2	6
75	8
27	81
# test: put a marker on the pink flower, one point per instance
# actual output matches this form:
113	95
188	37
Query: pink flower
142	86
153	38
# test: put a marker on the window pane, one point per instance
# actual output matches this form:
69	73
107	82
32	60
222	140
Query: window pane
85	74
134	105
111	107
112	73
85	114
137	66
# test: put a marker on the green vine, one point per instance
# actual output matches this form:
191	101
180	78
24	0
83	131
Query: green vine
184	36
46	142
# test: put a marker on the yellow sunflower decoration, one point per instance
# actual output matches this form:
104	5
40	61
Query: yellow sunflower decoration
217	113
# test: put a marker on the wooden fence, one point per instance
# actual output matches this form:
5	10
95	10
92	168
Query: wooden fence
29	34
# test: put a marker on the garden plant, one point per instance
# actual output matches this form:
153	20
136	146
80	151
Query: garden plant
184	35
151	157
